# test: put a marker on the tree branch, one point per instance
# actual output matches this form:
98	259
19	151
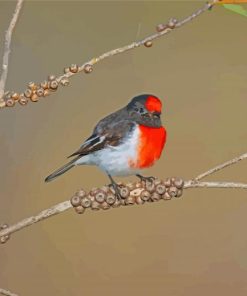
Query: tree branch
7	293
132	193
7	44
35	91
221	166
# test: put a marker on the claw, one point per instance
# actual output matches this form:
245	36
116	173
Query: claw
145	179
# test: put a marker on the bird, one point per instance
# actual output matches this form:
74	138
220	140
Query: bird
123	143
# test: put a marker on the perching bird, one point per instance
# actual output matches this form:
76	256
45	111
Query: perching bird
124	142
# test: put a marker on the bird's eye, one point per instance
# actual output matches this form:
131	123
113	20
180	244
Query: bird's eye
136	109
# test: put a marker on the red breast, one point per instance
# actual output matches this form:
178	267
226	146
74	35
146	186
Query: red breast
150	145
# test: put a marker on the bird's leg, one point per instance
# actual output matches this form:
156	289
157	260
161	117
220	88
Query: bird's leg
145	179
115	187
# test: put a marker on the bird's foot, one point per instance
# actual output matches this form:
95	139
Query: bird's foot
116	187
146	179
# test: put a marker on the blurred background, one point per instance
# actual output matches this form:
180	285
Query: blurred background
195	245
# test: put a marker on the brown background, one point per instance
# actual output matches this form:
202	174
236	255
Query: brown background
192	246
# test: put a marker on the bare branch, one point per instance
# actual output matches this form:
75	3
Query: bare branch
132	193
35	91
7	293
193	184
221	166
7	44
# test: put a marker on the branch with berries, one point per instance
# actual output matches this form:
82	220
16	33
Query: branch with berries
135	193
36	91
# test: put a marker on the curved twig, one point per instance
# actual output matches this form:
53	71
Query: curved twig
221	166
7	44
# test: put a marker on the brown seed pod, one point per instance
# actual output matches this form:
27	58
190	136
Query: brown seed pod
88	68
157	181
82	193
2	103
53	85
166	196
73	68
110	199
160	189
117	203
150	186
124	191
64	81
4	226
105	189
93	191
46	92
139	201
23	100
95	206
51	77
100	195
10	102
145	195
34	98
105	206
172	23
3	239
15	96
180	193
173	191
79	209
86	202
155	196
161	27
148	43
28	93
32	86
168	182
179	183
173	180
66	70
138	184
130	200
44	84
75	200
130	186
40	92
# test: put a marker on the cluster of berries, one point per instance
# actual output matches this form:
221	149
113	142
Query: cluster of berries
35	91
133	193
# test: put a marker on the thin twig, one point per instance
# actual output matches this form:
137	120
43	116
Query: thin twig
221	166
64	206
7	293
7	44
87	66
193	184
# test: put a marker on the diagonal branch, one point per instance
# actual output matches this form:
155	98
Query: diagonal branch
35	91
7	293
132	193
7	44
221	166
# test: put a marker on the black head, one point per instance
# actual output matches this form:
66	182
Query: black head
146	110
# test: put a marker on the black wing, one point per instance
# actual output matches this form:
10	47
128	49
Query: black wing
105	135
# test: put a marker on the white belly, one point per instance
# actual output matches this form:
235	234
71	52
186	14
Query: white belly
115	160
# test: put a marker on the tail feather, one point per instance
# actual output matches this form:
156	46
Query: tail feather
61	170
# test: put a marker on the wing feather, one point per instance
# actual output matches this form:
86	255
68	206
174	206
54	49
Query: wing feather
109	135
